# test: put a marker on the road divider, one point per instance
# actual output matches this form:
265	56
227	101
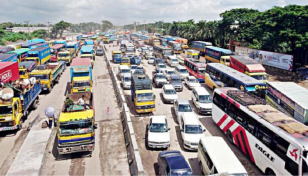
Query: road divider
133	155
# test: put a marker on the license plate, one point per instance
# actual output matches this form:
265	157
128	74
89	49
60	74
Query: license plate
44	88
76	148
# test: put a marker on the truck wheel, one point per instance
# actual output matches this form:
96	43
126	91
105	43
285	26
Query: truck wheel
20	125
35	104
50	88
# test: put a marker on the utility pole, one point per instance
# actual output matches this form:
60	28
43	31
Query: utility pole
162	26
48	32
28	28
144	24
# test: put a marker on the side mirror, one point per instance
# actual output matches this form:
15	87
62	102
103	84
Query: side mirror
203	130
168	129
154	96
197	99
95	126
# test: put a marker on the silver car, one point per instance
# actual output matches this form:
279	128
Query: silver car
176	81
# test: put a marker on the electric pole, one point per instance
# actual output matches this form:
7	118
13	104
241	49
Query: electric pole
144	24
28	28
48	23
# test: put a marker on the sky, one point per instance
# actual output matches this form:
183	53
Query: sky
121	12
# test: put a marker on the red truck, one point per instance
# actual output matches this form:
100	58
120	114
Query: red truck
248	66
54	51
9	71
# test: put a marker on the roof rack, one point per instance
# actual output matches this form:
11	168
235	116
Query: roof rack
245	98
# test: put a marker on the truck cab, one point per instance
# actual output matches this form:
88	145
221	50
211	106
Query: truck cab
11	114
81	84
65	55
125	61
25	68
45	76
116	56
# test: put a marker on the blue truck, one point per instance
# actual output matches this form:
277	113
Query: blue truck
39	45
200	46
37	40
89	43
112	38
87	52
8	57
40	55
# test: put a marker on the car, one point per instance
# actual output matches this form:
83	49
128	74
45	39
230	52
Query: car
150	48
133	68
202	99
182	71
168	93
172	61
151	60
158	132
176	81
147	55
99	52
159	80
172	162
161	66
122	69
126	80
191	82
168	73
180	59
191	131
158	60
135	60
144	50
182	106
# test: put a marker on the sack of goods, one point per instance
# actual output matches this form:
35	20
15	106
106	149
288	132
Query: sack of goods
7	93
49	111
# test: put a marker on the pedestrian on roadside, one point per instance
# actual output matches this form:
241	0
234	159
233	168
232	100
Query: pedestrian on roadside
50	113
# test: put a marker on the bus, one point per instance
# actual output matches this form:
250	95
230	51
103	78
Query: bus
193	54
219	75
182	41
195	68
162	52
200	46
163	41
21	54
276	143
217	55
290	98
248	66
130	49
175	46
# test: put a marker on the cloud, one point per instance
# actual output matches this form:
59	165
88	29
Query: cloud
126	11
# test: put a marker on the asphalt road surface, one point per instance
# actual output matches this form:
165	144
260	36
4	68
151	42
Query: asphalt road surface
140	122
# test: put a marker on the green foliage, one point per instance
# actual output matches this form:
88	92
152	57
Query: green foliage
39	33
106	25
59	28
85	27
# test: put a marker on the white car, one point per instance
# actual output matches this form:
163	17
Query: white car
180	59
202	100
169	93
182	106
191	82
151	60
168	73
150	48
172	61
158	132
191	131
161	66
126	80
182	71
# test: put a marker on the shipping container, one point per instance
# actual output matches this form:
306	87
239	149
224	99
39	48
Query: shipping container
9	71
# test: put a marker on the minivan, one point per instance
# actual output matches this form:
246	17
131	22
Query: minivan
182	71
172	61
215	157
123	69
202	100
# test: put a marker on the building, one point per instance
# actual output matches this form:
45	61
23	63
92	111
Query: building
31	29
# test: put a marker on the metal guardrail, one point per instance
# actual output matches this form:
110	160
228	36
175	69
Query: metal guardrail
133	155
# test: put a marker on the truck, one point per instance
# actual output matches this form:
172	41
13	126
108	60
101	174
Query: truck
39	45
200	46
248	66
40	55
87	52
15	110
25	68
106	39
66	55
8	57
76	126
29	45
9	71
89	43
116	56
142	94
81	75
112	38
154	41
73	46
49	74
64	42
54	50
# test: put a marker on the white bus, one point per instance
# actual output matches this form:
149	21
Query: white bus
274	142
130	49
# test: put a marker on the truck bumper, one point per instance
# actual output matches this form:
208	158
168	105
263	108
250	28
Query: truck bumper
145	110
9	128
76	149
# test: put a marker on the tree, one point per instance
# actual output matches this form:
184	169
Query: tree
41	33
106	25
59	28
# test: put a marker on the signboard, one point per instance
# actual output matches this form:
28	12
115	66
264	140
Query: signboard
243	51
212	53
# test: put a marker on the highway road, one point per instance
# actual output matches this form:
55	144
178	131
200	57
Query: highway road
140	122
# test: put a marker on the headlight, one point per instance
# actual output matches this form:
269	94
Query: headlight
187	142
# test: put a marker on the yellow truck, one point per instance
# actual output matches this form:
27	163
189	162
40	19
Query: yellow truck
142	94
49	74
81	75
76	125
66	56
25	68
14	110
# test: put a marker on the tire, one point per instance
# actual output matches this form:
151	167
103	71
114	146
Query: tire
270	172
230	137
201	168
20	124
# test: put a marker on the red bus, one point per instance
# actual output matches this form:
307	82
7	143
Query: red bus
195	68
54	51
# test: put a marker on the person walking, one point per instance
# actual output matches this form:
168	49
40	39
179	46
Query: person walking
50	113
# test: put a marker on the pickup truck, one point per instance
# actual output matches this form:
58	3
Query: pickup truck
49	74
15	110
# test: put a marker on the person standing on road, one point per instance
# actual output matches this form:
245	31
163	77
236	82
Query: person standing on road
50	113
